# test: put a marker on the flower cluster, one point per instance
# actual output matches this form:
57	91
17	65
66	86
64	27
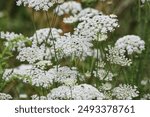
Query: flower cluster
84	14
4	96
43	64
68	7
74	45
106	86
13	41
146	97
32	54
36	97
103	75
126	45
125	92
64	75
39	4
45	35
38	77
97	27
78	92
7	75
9	35
115	56
131	44
143	1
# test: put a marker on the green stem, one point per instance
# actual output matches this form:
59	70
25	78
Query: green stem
53	40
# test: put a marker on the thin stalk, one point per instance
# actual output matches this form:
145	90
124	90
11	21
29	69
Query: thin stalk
34	26
53	40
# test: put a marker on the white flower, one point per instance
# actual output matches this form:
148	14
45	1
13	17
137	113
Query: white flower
78	92
4	96
38	4
125	92
30	74
70	20
43	64
38	77
131	44
16	40
74	45
87	13
64	75
146	97
88	74
103	75
32	54
107	95
7	75
106	86
45	35
23	96
143	1
144	82
62	92
97	27
9	36
72	7
84	14
115	56
36	97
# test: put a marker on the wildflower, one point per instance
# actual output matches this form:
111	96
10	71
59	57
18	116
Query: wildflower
125	92
97	27
9	35
36	97
64	75
45	35
38	77
72	7
70	20
32	54
23	96
106	86
84	14
103	75
4	96
39	4
78	92
43	64
131	44
143	1
108	95
74	45
144	82
87	13
16	41
13	72
7	75
146	97
115	56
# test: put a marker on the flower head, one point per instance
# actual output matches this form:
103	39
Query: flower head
78	92
39	4
131	44
125	92
72	7
4	96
